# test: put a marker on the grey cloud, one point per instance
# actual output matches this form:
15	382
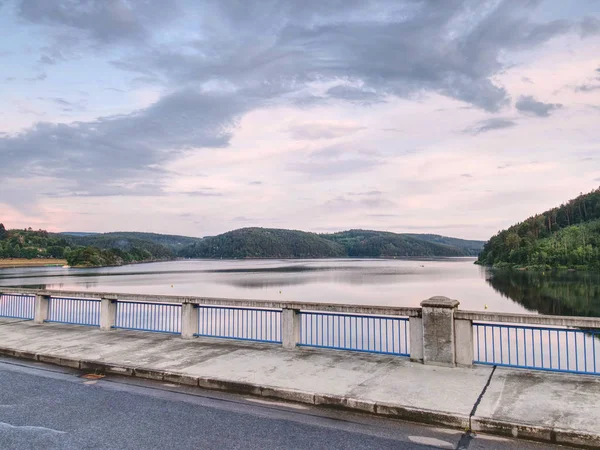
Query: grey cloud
587	87
490	125
103	20
208	192
466	175
529	105
255	183
393	49
527	80
114	154
342	203
354	94
45	59
41	77
590	26
322	130
337	160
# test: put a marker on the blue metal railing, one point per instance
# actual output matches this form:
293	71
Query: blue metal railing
539	348
249	324
75	311
17	306
373	334
159	317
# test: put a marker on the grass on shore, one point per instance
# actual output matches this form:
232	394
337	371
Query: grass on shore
37	262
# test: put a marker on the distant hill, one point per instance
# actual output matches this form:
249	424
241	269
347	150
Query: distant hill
264	243
77	233
470	247
567	236
278	243
369	243
120	239
111	249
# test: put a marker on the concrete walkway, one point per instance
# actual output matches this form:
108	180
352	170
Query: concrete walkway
544	406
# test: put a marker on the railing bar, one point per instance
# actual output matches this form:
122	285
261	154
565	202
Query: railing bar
533	348
485	347
576	352
567	339
584	352
594	350
542	349
558	347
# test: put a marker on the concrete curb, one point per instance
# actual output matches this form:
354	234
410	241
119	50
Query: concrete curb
394	411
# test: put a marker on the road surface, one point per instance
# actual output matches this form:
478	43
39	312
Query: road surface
43	406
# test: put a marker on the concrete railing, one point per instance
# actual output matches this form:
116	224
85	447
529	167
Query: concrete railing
437	333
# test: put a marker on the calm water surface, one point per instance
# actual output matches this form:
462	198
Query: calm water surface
377	281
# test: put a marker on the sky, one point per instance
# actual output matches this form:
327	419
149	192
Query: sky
196	117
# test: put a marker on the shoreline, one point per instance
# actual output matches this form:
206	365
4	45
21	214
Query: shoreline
16	263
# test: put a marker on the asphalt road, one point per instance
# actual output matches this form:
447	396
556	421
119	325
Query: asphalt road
43	406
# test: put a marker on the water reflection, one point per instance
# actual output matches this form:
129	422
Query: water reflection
378	282
557	293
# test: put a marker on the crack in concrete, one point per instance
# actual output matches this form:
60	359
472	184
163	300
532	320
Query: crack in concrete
468	436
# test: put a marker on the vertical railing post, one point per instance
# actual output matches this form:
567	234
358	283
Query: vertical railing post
189	320
463	335
438	331
416	338
290	327
41	308
108	313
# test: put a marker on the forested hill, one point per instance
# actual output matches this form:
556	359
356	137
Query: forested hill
121	239
264	243
564	237
112	249
277	243
96	250
368	243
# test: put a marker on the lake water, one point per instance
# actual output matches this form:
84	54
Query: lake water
357	281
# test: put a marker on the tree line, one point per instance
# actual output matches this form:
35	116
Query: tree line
106	251
567	236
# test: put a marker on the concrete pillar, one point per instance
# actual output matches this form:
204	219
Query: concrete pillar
438	331
290	327
416	339
108	313
463	335
40	308
189	320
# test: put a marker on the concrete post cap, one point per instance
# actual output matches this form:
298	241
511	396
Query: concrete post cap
440	302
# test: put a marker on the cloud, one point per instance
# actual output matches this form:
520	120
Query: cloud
322	130
354	95
255	183
392	49
587	87
527	80
590	26
342	203
101	20
490	125
41	77
45	59
338	160
529	105
112	154
207	192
